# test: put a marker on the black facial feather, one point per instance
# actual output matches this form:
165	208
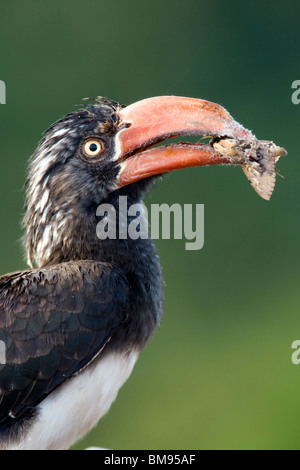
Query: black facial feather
61	185
64	189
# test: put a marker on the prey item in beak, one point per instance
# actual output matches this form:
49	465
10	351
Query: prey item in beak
257	159
151	121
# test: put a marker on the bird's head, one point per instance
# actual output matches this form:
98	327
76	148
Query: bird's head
103	150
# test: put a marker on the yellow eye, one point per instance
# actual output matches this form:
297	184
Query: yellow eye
93	147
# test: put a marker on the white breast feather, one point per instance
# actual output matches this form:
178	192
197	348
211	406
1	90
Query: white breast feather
75	407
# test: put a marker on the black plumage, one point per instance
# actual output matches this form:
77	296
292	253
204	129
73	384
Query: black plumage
58	318
63	317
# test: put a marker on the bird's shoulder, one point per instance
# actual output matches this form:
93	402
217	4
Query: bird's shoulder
53	322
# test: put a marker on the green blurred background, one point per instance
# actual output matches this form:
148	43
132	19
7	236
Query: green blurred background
218	373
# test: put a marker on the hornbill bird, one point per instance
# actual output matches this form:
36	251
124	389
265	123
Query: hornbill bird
74	323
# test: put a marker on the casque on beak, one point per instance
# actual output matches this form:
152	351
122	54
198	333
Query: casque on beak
153	120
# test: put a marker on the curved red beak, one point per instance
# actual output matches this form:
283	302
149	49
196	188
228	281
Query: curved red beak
151	121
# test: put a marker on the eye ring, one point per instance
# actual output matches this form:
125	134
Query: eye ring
92	148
